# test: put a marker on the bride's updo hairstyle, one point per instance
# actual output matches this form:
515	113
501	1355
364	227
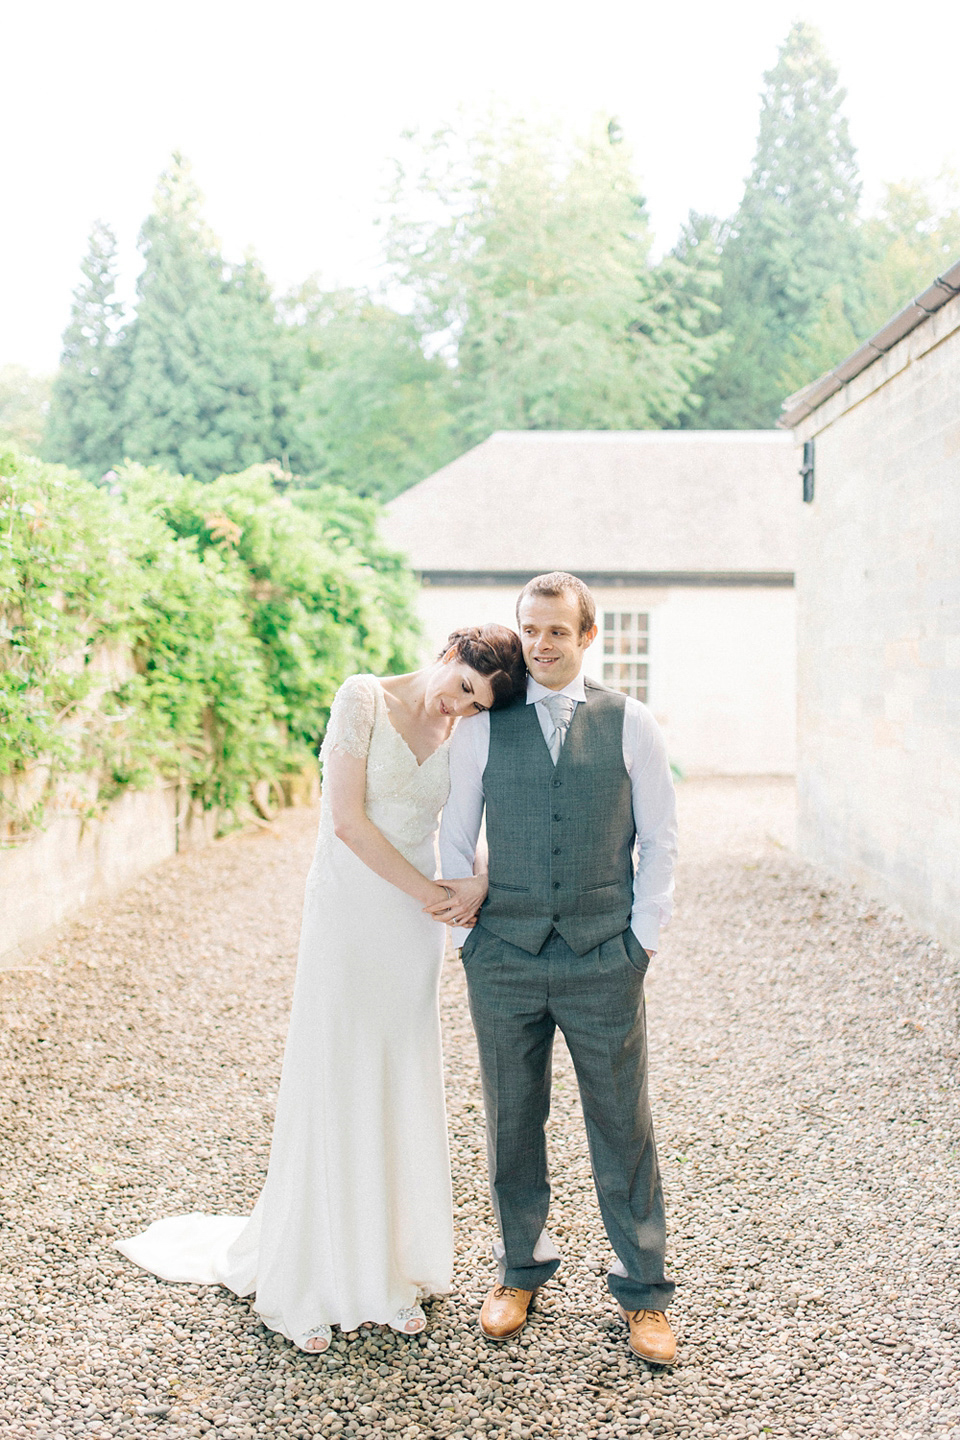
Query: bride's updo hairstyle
495	653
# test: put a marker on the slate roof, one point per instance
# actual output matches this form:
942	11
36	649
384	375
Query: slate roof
606	502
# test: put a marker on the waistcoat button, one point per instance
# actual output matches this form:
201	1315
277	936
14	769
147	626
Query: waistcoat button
556	783
558	817
556	884
556	849
556	917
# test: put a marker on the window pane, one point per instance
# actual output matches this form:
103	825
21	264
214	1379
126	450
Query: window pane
626	637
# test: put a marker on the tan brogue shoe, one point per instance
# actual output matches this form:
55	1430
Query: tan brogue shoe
650	1336
504	1312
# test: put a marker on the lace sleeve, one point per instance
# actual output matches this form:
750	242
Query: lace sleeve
351	718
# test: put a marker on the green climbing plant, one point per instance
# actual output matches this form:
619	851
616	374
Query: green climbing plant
166	629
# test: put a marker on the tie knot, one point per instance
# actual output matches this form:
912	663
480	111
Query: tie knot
560	709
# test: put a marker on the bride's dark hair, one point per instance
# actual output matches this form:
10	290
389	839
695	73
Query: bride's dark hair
495	653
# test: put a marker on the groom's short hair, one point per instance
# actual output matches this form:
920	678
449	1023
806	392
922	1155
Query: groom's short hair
560	582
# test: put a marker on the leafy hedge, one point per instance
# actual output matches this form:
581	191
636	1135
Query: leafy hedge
168	629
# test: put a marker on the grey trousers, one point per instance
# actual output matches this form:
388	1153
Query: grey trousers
517	1001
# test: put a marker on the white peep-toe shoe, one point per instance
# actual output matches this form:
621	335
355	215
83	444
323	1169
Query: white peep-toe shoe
409	1321
317	1340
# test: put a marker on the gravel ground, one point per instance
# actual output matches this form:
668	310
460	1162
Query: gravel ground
804	1046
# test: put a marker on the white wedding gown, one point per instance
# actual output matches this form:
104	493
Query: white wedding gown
355	1220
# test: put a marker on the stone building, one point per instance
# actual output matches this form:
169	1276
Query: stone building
878	588
688	541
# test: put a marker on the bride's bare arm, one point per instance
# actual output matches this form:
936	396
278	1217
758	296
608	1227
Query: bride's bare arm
344	790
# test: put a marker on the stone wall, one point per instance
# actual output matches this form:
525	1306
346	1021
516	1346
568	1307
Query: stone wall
74	862
878	589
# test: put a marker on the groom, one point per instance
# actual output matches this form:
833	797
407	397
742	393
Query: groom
575	782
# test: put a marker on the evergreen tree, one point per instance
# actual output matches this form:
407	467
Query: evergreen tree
83	426
828	339
535	280
695	261
203	392
793	239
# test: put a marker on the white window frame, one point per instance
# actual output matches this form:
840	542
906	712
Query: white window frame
625	648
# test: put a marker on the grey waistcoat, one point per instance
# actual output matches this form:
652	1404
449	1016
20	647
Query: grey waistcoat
561	839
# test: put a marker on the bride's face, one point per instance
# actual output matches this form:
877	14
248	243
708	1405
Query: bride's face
455	690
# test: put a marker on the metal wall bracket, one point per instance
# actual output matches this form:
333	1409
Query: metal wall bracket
807	472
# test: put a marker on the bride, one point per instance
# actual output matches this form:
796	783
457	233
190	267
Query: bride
354	1223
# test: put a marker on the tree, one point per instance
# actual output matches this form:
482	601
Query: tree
695	262
203	394
371	411
793	239
84	424
527	262
827	341
914	236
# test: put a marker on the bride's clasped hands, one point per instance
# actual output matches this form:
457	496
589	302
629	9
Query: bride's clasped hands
461	901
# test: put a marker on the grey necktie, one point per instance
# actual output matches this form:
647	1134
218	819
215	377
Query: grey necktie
560	708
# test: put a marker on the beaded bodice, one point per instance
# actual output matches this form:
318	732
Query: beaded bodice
403	798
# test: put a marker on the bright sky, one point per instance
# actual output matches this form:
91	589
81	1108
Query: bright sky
290	109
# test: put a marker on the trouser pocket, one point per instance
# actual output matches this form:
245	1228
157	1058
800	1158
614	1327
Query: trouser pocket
635	952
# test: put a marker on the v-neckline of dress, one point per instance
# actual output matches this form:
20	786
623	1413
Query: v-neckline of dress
405	743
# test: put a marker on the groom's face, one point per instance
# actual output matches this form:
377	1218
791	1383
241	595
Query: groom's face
553	646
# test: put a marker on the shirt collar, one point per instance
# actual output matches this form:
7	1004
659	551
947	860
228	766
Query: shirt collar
576	690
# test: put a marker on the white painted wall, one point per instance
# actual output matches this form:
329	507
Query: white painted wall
723	678
879	630
722	665
443	608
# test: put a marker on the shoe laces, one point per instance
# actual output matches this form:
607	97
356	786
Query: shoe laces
656	1315
501	1290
